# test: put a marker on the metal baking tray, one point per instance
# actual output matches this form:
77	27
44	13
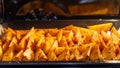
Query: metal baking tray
59	24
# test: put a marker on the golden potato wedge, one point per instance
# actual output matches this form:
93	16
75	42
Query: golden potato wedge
59	50
85	31
78	38
71	27
86	34
41	40
95	53
64	56
11	30
72	55
18	56
22	44
52	31
117	54
71	43
30	45
9	36
63	42
48	35
59	35
48	43
85	46
55	44
14	42
1	53
114	30
51	55
40	55
9	54
105	36
40	32
28	55
85	54
105	27
1	50
97	38
32	31
65	31
69	36
5	46
20	34
75	53
108	52
115	39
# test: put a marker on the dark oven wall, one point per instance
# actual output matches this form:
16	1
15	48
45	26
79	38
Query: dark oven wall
60	9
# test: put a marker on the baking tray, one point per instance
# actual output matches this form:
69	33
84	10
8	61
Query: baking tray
19	24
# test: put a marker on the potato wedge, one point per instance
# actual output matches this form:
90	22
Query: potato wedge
18	56
40	55
55	44
8	55
75	53
59	35
5	46
52	31
51	55
105	27
105	36
108	52
20	34
48	43
59	50
41	41
114	30
22	44
1	53
69	36
63	42
32	31
64	56
28	55
78	38
71	27
85	46
95	53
